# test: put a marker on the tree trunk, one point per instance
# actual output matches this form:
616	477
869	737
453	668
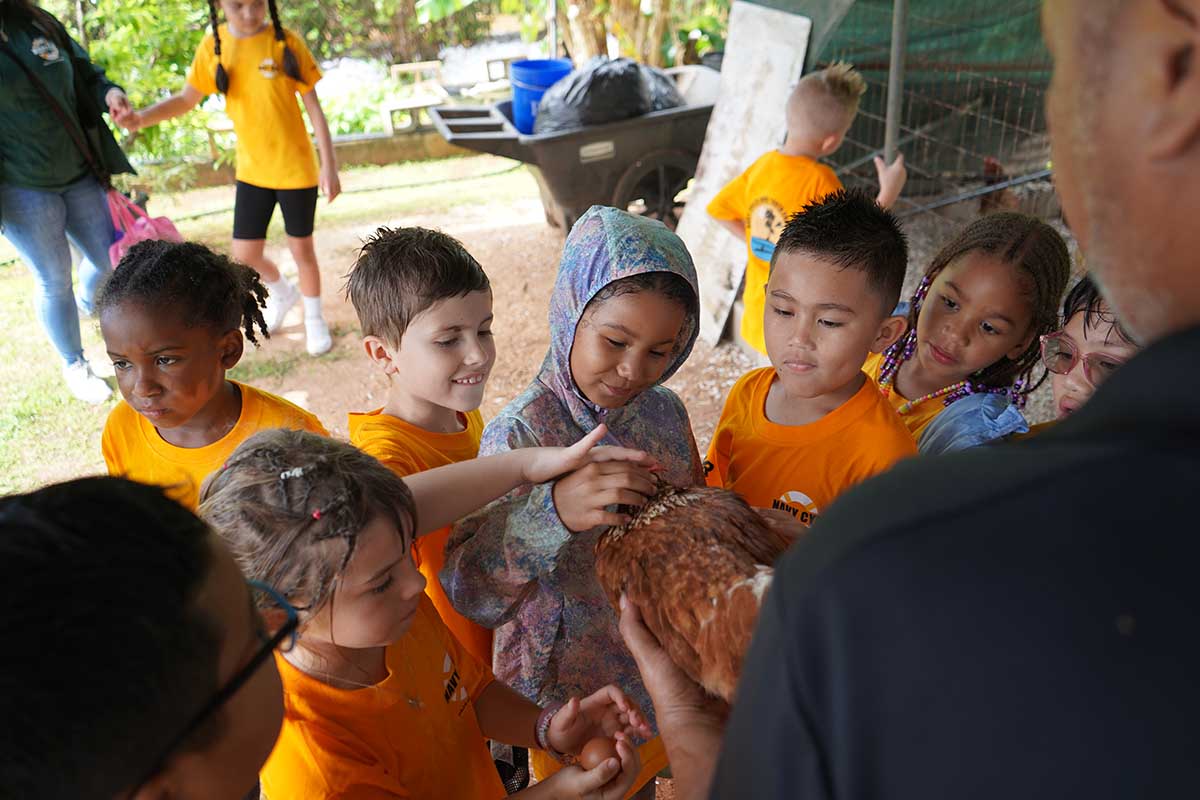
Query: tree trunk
586	30
406	43
653	51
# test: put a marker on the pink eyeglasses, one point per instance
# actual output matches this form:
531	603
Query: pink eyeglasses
1060	354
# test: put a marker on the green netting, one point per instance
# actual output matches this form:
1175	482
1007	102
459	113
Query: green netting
975	80
944	35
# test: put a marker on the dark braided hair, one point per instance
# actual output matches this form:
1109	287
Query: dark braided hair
1030	245
291	505
202	287
291	67
222	77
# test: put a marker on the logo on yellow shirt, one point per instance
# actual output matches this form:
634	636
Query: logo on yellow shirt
268	68
453	690
767	219
799	505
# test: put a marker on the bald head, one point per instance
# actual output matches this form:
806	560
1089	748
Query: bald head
1124	116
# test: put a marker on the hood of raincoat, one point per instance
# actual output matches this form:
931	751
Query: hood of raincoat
604	246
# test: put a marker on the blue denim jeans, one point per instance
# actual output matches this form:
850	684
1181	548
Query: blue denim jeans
39	222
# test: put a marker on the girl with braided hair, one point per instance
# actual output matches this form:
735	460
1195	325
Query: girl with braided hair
260	66
380	699
961	374
174	317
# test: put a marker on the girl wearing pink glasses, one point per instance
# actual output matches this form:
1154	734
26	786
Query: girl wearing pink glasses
1088	349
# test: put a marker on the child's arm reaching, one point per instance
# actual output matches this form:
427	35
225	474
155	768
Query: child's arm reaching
891	179
331	185
179	103
446	494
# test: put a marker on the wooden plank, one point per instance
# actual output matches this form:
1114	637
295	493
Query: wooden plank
764	56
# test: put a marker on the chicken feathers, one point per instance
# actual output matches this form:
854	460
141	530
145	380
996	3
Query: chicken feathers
697	562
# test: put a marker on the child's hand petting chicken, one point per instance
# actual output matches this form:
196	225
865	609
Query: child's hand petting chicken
583	498
547	463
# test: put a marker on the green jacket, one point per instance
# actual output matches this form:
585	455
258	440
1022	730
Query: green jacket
36	151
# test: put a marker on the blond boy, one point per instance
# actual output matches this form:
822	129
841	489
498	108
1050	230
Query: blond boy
756	205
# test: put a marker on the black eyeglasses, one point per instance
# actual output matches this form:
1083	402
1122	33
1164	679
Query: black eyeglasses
282	638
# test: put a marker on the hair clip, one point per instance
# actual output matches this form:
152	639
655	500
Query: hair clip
294	472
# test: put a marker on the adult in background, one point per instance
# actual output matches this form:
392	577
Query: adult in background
1015	621
49	192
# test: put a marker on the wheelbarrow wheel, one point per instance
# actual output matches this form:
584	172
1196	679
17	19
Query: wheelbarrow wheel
652	185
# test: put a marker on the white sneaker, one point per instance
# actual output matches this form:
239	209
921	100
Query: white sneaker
279	305
316	332
84	384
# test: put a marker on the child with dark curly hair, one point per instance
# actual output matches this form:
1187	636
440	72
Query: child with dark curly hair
175	317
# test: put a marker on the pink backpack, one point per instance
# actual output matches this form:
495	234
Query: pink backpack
133	225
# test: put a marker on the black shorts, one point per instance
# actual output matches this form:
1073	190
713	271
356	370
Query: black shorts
254	205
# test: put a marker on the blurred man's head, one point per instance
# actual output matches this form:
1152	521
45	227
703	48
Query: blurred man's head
1124	115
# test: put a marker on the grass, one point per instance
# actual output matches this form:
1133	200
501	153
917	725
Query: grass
46	435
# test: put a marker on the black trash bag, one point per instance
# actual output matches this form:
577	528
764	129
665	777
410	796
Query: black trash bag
601	91
664	93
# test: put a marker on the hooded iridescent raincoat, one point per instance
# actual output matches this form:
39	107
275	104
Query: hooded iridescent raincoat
513	566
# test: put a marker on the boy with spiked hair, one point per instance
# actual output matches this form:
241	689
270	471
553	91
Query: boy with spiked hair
796	434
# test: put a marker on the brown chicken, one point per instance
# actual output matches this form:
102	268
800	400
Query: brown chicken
697	562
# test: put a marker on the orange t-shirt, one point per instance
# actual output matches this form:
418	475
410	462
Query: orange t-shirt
134	449
802	468
772	189
919	417
406	449
415	734
274	150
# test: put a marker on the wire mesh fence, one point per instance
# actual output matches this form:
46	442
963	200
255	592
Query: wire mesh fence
973	125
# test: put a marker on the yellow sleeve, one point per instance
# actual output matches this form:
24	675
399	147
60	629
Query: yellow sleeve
716	463
395	458
476	676
827	184
387	450
310	73
202	75
730	202
110	449
313	425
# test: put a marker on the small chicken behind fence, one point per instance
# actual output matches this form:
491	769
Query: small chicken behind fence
697	562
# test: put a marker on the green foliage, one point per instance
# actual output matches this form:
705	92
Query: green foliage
357	111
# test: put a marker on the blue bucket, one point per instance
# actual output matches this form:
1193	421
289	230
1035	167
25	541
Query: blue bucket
530	80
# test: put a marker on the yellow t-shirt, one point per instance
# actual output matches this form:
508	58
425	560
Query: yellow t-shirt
134	449
772	189
802	468
415	734
919	417
406	449
274	150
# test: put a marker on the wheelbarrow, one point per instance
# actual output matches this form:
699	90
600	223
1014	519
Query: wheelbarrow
642	164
